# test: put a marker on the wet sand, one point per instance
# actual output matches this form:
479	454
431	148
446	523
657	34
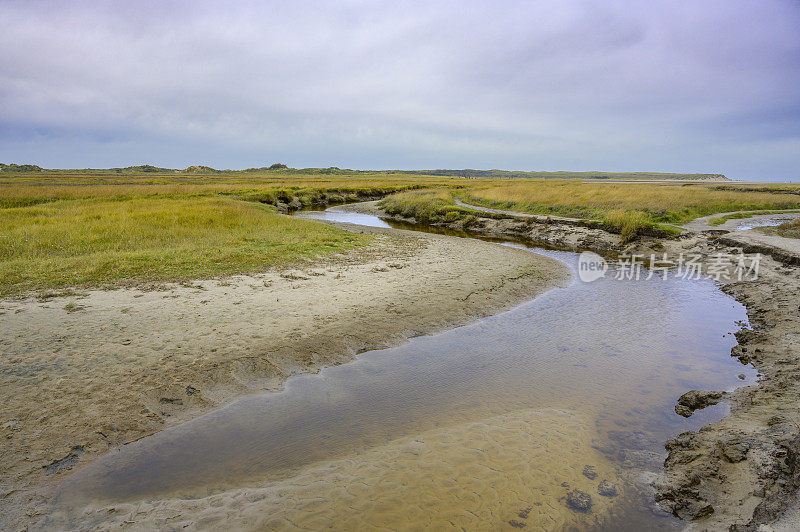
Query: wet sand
744	471
739	224
476	475
87	373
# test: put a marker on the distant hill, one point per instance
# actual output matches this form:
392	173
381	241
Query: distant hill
200	170
21	168
512	174
282	168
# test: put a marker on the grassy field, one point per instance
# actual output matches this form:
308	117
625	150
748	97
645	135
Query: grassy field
595	175
661	203
280	170
68	229
96	242
73	229
30	189
440	207
630	208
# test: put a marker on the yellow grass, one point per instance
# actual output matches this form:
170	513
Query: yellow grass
657	202
22	190
427	207
64	229
60	229
629	208
95	242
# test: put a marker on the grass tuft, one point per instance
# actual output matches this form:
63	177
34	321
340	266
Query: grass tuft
430	207
790	229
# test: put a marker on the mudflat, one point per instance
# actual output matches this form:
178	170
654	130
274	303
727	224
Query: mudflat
84	373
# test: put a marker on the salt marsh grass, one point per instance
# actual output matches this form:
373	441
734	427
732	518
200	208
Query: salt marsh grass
68	229
630	208
790	229
668	203
96	242
65	228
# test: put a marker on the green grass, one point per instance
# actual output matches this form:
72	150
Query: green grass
103	241
438	207
632	223
662	203
94	228
630	209
24	189
429	207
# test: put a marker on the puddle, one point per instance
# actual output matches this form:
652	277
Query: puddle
502	423
338	214
764	221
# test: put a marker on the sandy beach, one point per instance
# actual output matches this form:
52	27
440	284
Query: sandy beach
84	373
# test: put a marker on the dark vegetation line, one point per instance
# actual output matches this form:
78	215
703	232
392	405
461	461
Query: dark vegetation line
279	168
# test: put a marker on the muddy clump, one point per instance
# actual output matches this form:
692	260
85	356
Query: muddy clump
580	501
607	489
66	463
589	472
696	400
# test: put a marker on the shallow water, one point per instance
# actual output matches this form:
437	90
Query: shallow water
338	214
759	221
479	426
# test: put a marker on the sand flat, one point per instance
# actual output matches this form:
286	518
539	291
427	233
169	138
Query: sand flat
84	374
513	470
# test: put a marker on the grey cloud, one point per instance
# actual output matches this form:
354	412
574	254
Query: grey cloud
683	86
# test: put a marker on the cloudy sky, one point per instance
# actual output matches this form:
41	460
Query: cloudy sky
667	85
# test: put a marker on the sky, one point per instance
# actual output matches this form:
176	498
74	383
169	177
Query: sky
676	86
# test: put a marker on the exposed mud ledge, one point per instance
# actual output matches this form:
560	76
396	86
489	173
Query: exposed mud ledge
568	234
744	471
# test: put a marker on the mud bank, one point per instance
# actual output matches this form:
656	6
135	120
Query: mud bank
742	472
84	374
562	233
